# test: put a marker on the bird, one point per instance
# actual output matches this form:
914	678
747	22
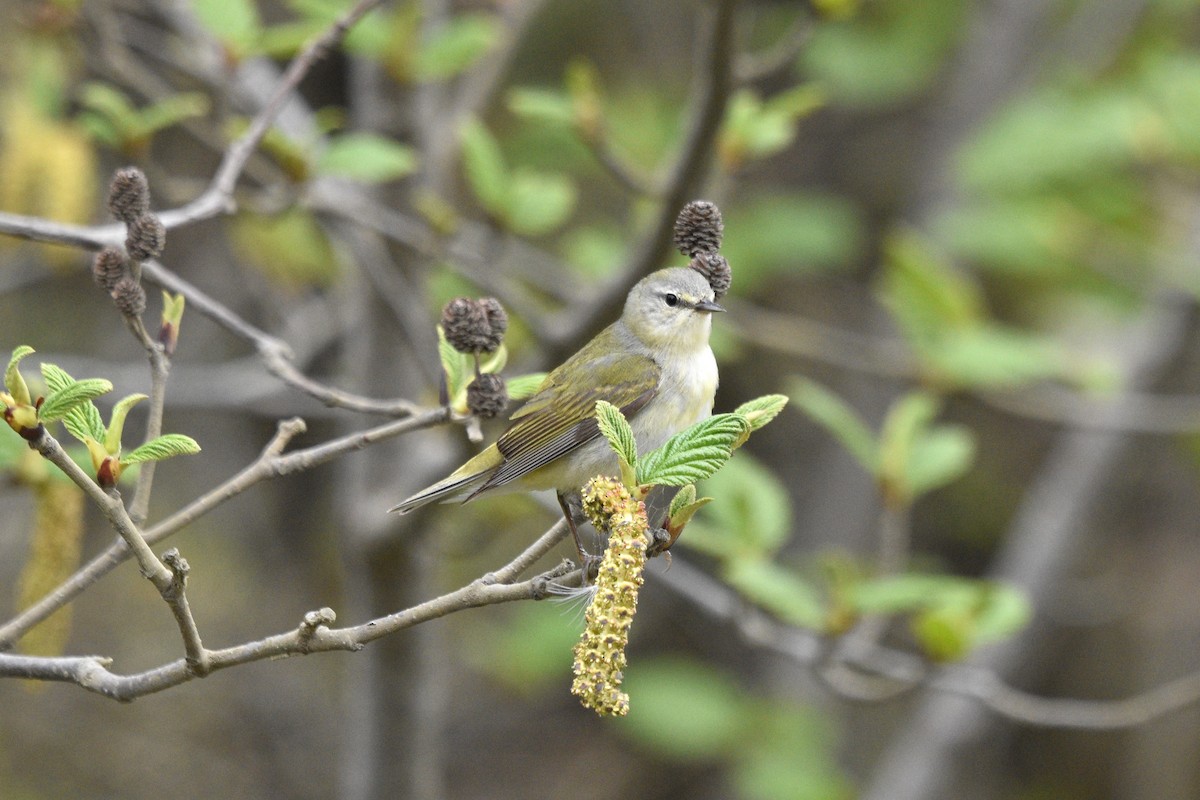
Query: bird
654	364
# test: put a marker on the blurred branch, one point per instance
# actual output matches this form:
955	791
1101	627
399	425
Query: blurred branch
313	635
1043	539
901	671
714	81
751	67
271	463
1142	412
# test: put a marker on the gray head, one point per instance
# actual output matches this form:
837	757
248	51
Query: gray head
671	308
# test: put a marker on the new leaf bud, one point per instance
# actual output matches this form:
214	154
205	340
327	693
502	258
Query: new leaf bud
128	195
699	228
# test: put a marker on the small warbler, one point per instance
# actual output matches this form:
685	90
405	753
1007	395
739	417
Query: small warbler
654	364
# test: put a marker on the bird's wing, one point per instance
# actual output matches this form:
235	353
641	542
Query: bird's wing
558	419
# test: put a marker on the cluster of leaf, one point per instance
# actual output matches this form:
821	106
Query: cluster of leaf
70	401
909	457
687	457
687	711
746	530
395	36
112	118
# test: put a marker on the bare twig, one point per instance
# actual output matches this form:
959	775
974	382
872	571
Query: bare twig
312	635
270	464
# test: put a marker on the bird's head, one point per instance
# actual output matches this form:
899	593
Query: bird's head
671	308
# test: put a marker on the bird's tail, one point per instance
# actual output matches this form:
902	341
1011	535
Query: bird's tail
443	490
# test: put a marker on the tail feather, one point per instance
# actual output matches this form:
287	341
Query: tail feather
441	491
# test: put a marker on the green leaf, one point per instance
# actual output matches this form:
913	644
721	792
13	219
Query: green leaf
909	592
685	711
59	404
1004	610
681	513
927	295
541	105
993	357
170	111
791	235
116	425
906	420
165	446
777	590
14	382
830	411
234	22
945	634
82	421
694	454
683	498
536	203
761	410
458	369
616	430
367	157
524	386
495	361
456	45
484	165
753	517
939	457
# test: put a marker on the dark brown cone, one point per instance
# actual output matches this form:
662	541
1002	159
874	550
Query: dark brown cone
108	267
715	270
497	322
145	237
699	228
487	395
128	194
129	297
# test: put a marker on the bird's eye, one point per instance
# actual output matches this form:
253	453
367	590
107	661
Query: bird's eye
672	300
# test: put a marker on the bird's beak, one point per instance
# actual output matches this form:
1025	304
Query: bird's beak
709	305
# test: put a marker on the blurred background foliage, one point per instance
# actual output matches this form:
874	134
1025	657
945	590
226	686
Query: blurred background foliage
948	223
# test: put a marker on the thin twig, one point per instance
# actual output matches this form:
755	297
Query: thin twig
270	464
903	670
687	176
313	635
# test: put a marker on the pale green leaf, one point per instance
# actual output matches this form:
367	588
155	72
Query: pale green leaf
761	410
456	366
82	421
685	710
540	105
234	22
777	590
694	454
367	157
524	386
939	457
684	497
456	45
14	382
536	203
615	428
484	166
754	514
165	446
58	404
1004	610
832	412
116	425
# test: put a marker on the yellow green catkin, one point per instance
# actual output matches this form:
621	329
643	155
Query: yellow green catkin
600	652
